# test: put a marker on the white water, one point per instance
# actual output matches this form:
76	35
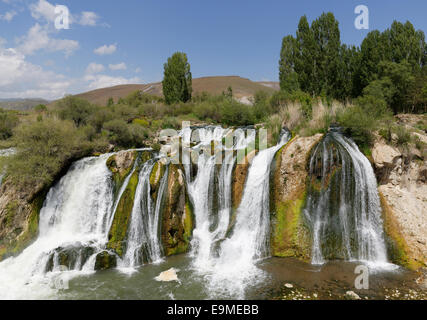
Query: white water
235	267
75	213
230	263
359	210
143	240
211	225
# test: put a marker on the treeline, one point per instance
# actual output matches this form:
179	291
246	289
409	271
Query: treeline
390	66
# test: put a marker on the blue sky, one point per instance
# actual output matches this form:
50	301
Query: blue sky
135	37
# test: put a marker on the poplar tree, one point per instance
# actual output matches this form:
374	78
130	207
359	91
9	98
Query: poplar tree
177	80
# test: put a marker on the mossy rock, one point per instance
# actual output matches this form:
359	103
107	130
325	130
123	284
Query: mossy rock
29	235
105	260
177	216
397	248
119	174
119	227
290	236
156	176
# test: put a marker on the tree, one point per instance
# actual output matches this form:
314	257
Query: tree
402	78
327	54
305	64
287	75
177	80
110	102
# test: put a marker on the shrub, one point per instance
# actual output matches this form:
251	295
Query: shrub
75	109
403	136
235	113
357	124
8	121
44	147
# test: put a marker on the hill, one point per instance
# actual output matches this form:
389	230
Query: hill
21	104
214	85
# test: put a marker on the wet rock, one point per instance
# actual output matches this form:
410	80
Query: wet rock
177	216
351	295
105	260
168	276
290	237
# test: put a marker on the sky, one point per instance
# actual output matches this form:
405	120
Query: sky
119	42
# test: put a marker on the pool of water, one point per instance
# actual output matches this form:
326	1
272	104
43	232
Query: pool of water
330	281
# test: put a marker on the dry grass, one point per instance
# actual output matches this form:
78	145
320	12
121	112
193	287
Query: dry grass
212	85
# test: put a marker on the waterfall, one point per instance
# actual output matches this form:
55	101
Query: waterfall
143	240
343	207
213	177
73	219
225	252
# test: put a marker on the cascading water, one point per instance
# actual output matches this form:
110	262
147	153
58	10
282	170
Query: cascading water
235	267
143	241
74	218
229	263
212	215
343	207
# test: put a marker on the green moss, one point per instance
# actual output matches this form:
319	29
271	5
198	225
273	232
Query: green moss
11	209
397	248
290	235
119	176
188	222
156	174
30	233
119	227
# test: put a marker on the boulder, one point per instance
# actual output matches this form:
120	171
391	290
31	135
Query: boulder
168	276
105	260
290	237
384	155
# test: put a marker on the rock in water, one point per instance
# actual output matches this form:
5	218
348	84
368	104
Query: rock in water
351	295
167	276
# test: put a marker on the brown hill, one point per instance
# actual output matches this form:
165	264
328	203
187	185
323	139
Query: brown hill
214	85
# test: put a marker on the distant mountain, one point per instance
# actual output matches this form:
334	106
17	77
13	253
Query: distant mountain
21	104
242	88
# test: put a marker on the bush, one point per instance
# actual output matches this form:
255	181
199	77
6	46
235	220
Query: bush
235	113
403	136
8	121
358	125
44	147
75	109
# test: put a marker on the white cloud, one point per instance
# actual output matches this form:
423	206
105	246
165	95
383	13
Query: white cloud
38	38
138	70
43	10
104	81
106	49
119	66
94	68
88	18
8	16
21	79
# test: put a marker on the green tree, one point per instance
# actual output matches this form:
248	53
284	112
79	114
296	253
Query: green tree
76	109
287	75
305	64
8	121
110	102
177	80
327	54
